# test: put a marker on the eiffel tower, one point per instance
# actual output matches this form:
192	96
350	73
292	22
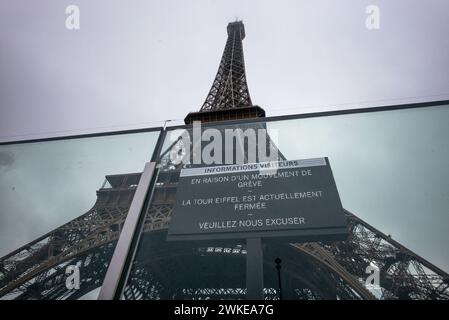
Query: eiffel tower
310	270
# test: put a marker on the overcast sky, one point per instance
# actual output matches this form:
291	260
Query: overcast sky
135	63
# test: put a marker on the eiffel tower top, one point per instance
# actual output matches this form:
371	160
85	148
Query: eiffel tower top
229	97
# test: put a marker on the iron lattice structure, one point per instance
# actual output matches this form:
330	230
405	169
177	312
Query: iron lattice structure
310	270
230	89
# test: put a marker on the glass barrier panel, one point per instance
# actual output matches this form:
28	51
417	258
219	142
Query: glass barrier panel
390	169
62	206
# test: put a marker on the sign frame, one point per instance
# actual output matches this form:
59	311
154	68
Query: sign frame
313	234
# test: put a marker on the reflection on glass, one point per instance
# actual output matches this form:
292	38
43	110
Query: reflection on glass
51	218
186	269
391	171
